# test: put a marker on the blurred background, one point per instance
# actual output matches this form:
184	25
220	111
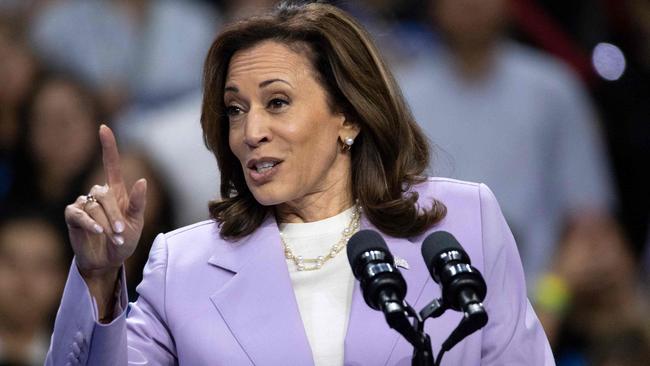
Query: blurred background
546	101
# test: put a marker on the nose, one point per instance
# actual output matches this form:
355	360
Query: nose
256	130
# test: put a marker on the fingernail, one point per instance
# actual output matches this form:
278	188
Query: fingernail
98	229
119	240
119	226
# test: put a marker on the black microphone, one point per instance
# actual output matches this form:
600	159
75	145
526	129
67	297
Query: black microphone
382	284
462	285
384	289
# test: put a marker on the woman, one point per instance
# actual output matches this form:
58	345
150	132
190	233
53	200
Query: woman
313	141
59	145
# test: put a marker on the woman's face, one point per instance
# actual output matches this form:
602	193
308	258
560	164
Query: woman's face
32	272
282	129
63	133
470	22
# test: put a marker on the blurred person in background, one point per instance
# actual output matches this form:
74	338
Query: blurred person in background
512	117
608	43
60	145
18	68
160	213
171	136
32	274
135	52
593	307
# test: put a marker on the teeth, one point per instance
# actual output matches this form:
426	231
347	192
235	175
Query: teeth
262	167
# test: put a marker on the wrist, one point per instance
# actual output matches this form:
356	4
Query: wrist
96	274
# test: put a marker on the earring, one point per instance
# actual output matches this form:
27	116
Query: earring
347	143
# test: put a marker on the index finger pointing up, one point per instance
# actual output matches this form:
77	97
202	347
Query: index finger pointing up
110	157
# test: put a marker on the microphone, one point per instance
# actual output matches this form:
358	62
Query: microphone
384	289
382	284
462	285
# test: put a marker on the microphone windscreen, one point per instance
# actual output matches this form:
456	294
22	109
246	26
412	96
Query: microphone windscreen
437	243
363	241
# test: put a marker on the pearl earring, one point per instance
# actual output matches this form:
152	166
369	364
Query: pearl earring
347	144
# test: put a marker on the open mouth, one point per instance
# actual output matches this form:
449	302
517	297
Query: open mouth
261	170
265	166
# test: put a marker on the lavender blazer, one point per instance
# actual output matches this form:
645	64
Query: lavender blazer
205	301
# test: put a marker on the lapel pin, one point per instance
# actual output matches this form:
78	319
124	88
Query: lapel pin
401	262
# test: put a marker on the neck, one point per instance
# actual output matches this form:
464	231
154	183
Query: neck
474	60
310	209
52	184
328	202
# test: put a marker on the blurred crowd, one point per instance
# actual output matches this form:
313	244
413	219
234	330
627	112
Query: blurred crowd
546	101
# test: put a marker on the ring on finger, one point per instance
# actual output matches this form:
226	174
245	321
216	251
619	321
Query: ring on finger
89	199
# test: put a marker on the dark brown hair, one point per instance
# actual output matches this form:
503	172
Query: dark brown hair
390	153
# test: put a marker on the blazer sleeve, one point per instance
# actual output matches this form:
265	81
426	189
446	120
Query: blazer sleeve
513	334
138	334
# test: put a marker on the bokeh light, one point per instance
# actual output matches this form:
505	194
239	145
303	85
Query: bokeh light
609	61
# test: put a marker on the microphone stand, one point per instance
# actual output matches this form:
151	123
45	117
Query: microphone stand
474	318
397	315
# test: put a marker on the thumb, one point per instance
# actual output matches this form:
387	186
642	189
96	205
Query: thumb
137	200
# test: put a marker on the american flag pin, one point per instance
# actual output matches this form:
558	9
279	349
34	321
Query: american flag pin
401	262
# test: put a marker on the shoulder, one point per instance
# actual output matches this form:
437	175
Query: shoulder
448	191
468	205
197	231
457	195
460	197
187	244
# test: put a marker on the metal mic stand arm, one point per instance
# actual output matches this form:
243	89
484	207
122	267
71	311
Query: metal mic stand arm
474	318
397	316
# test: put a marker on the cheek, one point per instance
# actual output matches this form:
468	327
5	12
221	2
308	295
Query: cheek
236	142
317	154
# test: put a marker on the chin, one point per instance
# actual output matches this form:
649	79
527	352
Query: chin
265	196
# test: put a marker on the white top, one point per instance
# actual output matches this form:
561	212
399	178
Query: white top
324	295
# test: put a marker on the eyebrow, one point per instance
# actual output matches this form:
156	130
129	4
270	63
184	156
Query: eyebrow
263	84
271	81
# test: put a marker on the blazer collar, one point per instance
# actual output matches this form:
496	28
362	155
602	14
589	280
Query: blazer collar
260	307
258	303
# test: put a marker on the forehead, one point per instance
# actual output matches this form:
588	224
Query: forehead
268	59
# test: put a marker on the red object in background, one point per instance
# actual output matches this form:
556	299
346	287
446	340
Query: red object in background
542	29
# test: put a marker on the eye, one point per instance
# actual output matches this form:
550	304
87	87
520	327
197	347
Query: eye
233	110
277	104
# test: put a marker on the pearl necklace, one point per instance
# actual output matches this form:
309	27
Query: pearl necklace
312	264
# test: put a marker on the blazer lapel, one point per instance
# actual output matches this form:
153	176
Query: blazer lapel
258	304
370	341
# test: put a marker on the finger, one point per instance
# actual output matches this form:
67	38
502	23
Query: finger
77	218
97	213
110	157
137	200
107	200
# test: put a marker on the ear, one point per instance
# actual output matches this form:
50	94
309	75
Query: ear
348	129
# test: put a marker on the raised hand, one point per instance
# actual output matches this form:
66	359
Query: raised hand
104	226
